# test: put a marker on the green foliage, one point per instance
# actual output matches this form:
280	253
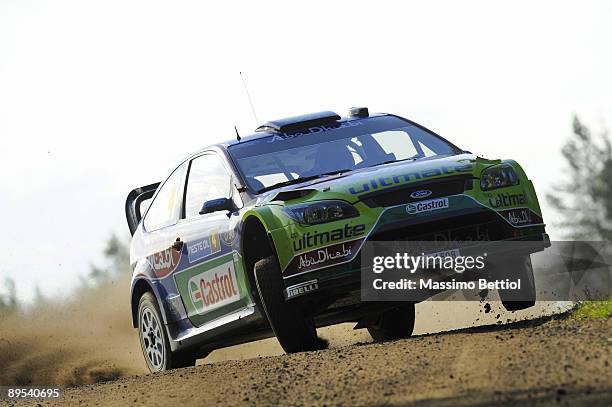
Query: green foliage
585	198
117	262
8	300
592	310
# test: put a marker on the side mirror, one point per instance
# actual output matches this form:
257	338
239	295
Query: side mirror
215	205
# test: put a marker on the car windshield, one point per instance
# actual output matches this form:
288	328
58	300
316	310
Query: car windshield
281	159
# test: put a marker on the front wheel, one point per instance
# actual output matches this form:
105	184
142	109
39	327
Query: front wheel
518	269
294	329
395	323
154	340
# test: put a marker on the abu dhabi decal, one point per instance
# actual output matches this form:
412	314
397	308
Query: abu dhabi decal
320	238
427	206
324	257
504	200
385	182
314	129
521	217
214	288
203	248
164	262
518	217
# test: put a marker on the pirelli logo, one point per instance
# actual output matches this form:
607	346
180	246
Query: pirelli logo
302	288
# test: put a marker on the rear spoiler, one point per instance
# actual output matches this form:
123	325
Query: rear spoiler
132	204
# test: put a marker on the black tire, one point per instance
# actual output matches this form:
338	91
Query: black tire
154	340
294	330
518	268
393	324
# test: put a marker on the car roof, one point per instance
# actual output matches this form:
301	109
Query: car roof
267	130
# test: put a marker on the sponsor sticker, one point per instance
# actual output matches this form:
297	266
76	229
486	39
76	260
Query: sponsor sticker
302	288
316	238
324	257
388	181
164	262
427	206
505	200
314	129
228	237
518	217
214	288
445	253
422	193
203	248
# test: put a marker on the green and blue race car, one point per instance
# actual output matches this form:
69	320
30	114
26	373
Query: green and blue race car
262	235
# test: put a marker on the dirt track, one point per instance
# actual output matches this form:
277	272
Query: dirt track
548	362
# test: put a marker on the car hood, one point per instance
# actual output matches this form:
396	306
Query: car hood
350	186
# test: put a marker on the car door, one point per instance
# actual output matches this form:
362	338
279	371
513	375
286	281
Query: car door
155	251
212	282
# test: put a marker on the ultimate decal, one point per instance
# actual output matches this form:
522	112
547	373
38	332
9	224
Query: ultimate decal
504	200
320	238
384	182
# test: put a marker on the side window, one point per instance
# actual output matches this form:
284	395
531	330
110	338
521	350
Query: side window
208	179
164	208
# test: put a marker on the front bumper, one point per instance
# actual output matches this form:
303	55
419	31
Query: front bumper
465	220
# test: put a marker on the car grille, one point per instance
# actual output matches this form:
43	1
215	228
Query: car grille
401	195
482	226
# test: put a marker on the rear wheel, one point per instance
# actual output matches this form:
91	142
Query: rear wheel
395	323
294	329
154	340
518	268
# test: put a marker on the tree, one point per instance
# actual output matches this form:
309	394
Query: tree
117	254
585	199
8	301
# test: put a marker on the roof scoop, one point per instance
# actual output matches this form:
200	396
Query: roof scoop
295	123
359	112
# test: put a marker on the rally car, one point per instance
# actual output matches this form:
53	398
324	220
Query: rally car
261	236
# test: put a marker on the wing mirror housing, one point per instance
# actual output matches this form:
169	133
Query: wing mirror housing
216	205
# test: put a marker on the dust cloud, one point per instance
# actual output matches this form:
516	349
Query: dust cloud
89	338
83	340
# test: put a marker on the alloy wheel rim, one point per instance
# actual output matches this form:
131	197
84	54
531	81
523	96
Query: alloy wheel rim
151	339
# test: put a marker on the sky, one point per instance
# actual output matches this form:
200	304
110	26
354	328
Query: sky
99	97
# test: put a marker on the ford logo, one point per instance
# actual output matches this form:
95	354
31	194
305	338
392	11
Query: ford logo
422	193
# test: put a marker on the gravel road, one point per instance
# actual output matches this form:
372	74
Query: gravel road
543	362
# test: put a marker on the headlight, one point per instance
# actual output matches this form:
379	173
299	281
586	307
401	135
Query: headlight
498	177
321	212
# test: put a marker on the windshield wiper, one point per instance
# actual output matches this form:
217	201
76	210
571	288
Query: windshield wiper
413	158
299	180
